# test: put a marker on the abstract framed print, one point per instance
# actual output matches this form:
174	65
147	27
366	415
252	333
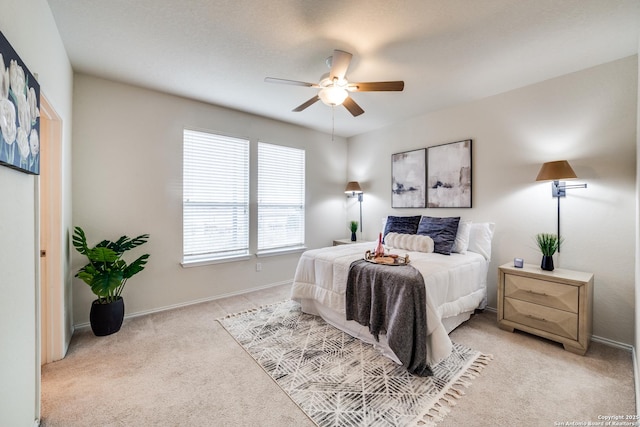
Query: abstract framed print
449	175
408	175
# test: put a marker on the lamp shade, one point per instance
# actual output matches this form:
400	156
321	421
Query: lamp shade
353	187
554	171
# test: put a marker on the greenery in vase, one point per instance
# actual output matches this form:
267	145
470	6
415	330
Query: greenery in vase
548	243
353	226
107	273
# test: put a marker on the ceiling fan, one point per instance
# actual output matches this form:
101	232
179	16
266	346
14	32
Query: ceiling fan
334	86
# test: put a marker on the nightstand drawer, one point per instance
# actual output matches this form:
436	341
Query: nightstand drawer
558	322
549	294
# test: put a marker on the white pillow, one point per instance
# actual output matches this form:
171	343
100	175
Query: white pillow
409	242
462	237
480	238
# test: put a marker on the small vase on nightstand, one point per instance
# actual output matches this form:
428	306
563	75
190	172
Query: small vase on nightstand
548	244
353	226
547	263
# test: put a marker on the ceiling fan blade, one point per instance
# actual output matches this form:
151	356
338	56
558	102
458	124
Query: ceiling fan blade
339	64
395	86
306	104
353	108
289	82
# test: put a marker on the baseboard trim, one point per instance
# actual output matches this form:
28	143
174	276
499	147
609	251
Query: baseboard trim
612	343
198	301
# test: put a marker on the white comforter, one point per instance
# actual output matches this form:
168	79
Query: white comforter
454	284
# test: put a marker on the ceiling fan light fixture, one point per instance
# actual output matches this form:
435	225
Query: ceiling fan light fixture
334	87
333	95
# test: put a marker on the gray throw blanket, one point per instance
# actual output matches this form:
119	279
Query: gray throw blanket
391	300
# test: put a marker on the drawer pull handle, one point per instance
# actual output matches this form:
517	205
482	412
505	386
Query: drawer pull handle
542	319
537	293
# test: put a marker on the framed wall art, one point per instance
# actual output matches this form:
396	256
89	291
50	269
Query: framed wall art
449	175
19	113
408	176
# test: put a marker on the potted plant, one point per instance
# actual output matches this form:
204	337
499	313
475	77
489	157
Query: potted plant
548	244
107	274
353	226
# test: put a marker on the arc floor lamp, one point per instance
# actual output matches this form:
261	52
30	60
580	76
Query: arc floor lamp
353	189
555	171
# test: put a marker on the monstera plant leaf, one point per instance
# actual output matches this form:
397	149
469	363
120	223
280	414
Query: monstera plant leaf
106	284
107	273
103	255
80	241
136	266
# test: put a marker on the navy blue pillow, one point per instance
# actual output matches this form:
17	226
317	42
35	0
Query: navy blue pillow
401	224
442	230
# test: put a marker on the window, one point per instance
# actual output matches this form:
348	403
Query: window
215	202
280	197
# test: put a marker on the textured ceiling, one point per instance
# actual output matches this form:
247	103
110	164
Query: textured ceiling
446	51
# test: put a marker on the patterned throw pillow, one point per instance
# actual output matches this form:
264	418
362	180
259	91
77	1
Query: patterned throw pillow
401	225
442	230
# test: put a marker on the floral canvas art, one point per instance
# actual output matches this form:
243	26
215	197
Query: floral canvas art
19	112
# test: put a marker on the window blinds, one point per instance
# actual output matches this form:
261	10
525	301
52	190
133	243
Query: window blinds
281	194
215	196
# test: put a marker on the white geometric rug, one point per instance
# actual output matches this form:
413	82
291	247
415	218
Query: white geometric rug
338	380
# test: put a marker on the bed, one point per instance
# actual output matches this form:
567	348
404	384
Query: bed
456	285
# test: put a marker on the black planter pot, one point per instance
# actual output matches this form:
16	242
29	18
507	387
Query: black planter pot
547	263
106	319
353	236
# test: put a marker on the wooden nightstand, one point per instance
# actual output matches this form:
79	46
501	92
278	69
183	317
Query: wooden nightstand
343	242
556	305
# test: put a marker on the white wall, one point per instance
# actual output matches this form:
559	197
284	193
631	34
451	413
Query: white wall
128	180
588	118
29	27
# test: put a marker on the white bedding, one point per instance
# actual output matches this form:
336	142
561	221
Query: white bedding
455	285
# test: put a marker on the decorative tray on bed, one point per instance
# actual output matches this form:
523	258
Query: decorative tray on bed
390	259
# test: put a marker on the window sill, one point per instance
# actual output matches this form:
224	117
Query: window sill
208	261
282	251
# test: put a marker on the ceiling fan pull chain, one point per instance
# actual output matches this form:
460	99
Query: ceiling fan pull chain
333	121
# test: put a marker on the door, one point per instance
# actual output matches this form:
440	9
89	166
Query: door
51	244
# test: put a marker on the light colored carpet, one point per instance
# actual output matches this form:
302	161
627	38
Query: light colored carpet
181	368
338	380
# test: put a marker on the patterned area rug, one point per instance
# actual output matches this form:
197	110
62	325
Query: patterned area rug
338	380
